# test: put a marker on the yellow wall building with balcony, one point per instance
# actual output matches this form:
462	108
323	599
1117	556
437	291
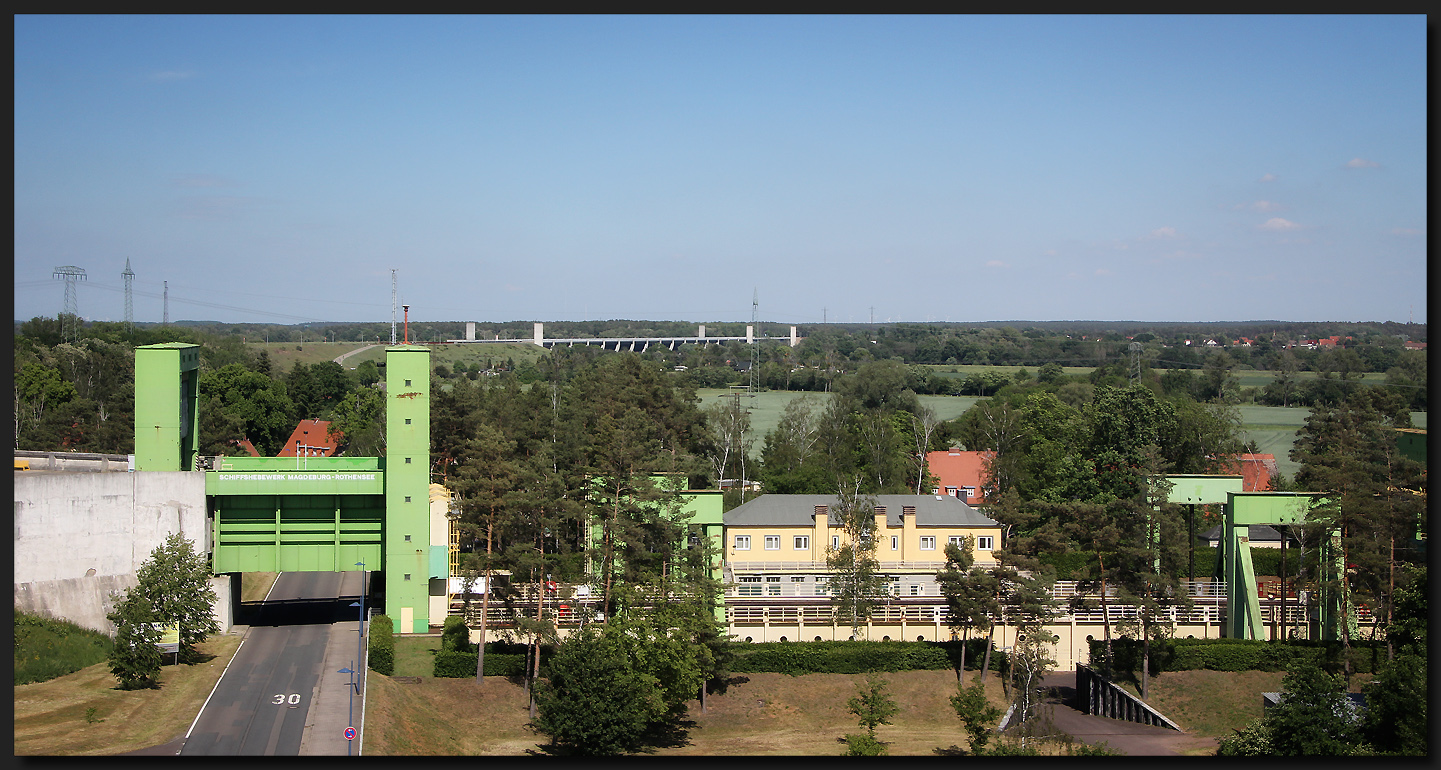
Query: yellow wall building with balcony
776	544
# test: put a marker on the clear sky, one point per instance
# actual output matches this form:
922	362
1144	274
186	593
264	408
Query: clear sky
961	168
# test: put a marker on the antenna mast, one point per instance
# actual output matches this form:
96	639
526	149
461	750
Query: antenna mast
392	306
755	383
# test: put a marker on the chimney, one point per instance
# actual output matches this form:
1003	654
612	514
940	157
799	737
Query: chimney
908	529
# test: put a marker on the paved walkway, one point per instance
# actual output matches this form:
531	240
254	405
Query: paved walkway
333	707
340	359
1062	710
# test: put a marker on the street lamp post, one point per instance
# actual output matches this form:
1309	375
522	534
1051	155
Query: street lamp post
360	630
350	719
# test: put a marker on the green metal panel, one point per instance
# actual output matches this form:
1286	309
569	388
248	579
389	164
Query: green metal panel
167	423
295	483
407	474
274	533
308	464
1202	489
439	561
1411	443
1246	508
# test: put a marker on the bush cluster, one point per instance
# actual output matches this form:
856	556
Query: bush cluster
858	657
382	645
1238	654
46	648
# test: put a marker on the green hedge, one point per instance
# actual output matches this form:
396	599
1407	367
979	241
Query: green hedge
858	657
382	645
1265	561
501	659
1237	654
461	665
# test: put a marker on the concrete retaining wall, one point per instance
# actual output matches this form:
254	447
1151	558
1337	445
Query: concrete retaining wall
79	537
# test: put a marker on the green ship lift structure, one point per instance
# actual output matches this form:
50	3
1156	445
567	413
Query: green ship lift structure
325	514
315	514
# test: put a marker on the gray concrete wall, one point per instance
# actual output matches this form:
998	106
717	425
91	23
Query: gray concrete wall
79	537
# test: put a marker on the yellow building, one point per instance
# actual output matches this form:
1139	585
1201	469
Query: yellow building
776	544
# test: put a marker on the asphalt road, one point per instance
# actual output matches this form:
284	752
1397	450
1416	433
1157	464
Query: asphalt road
263	702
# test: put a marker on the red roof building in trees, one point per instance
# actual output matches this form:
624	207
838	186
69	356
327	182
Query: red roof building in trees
960	474
311	439
1255	471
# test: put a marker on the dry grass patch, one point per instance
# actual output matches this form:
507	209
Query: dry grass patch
1215	703
760	714
255	585
50	717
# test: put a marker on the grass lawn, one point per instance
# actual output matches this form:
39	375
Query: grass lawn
759	714
1215	703
50	717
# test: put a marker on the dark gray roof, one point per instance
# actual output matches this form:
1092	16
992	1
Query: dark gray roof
799	511
1258	533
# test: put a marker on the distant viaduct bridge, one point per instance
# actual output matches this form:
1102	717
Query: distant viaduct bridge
637	344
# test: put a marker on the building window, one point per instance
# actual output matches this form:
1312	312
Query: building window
407	538
407	576
407	461
743	543
798	578
801	543
895	543
407	383
970	492
773	590
407	498
773	542
749	579
915	590
928	543
407	421
958	541
835	541
985	543
749	590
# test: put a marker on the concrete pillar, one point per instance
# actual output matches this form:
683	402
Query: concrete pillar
470	331
750	334
701	333
794	339
539	333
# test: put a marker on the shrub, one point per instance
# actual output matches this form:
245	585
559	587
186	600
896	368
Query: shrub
46	648
455	636
382	646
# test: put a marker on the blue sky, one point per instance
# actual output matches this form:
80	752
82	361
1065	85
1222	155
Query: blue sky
960	168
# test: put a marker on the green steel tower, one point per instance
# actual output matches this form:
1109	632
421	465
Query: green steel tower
167	397
407	487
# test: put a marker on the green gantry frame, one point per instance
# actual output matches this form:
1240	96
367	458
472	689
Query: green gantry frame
1234	564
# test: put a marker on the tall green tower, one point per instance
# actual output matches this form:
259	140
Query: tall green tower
167	397
407	487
